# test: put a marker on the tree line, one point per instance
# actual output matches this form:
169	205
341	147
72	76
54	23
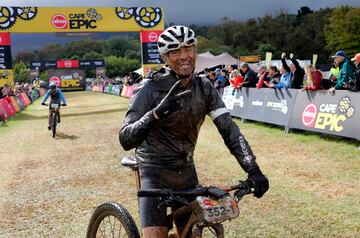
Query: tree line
321	32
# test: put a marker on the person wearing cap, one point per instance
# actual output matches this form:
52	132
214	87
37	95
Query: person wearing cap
354	82
56	96
163	123
346	71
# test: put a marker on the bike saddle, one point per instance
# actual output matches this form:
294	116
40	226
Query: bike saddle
130	162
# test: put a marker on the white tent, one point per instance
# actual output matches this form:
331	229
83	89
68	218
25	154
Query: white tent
139	71
207	60
207	53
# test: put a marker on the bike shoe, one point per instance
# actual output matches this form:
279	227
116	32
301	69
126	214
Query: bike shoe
49	128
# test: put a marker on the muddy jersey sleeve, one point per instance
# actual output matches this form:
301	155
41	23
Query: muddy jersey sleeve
229	131
138	118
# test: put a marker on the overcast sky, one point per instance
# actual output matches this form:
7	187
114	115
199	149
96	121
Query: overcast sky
199	12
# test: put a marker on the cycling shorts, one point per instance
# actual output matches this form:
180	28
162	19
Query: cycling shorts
155	176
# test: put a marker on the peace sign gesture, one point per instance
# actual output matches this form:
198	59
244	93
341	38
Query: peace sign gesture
171	102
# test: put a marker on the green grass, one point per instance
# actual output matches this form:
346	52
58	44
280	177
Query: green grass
50	187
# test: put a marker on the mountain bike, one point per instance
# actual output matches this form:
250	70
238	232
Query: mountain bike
211	207
54	119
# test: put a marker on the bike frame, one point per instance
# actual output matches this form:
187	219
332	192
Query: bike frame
193	221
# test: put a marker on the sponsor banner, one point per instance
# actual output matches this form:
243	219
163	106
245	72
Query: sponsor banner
116	90
337	114
26	99
9	107
91	63
67	64
270	106
68	79
16	105
150	36
149	48
5	57
80	19
5	38
6	77
234	100
264	105
43	64
4	116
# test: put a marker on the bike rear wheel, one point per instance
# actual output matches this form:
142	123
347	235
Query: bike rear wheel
112	220
53	124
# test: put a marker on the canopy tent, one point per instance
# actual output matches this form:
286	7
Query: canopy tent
139	71
207	60
207	53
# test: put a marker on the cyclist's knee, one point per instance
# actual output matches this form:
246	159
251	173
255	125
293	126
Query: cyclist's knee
155	232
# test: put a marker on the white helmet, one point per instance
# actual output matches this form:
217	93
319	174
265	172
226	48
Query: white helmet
175	37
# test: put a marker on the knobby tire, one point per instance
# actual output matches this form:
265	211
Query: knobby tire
107	212
53	126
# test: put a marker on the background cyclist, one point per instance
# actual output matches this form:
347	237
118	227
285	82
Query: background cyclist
56	96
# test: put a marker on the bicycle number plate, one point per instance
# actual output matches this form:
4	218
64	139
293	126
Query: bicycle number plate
218	210
54	105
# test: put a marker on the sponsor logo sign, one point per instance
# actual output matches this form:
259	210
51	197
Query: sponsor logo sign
278	106
81	19
150	52
4	38
328	116
336	114
56	80
59	21
309	115
6	77
68	79
67	64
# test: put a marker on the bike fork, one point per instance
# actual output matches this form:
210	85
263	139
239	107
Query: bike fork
218	228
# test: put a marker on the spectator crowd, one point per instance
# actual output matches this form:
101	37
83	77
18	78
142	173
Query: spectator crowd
31	90
344	75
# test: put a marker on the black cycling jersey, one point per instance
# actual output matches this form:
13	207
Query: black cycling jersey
171	141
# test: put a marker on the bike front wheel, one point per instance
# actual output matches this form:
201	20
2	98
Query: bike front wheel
53	125
112	220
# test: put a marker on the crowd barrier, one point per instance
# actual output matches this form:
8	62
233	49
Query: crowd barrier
9	106
315	111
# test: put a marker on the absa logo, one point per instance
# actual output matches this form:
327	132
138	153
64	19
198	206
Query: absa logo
59	21
56	80
153	37
309	115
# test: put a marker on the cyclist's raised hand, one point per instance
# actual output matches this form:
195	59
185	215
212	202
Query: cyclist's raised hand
260	181
170	103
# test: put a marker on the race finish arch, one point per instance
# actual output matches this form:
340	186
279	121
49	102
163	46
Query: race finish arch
147	20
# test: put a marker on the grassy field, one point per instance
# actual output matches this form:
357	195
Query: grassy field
50	187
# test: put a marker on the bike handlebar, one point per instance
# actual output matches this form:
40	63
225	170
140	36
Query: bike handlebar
45	104
243	186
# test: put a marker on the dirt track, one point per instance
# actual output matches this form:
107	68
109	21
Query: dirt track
50	187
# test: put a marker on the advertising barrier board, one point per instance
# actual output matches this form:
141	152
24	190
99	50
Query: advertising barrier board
337	114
